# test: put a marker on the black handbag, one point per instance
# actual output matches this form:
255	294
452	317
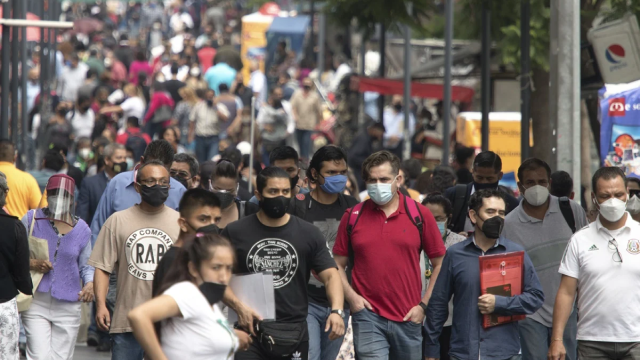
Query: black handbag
281	339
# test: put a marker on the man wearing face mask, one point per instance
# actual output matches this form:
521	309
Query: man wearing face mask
539	225
633	205
199	209
393	120
93	187
133	240
383	238
185	170
324	207
459	279
487	173
270	240
287	159
600	268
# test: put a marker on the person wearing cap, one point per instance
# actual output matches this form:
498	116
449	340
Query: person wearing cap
14	274
53	319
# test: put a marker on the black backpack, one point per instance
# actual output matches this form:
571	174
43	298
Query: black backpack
567	212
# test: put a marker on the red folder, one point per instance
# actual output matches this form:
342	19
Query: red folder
501	275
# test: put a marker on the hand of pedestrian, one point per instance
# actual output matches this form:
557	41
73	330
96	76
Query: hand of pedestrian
41	266
556	351
415	315
359	303
190	139
86	294
246	318
244	339
487	304
103	319
335	323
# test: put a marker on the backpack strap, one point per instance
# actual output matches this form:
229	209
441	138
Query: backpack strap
242	209
411	206
301	203
567	212
354	216
458	203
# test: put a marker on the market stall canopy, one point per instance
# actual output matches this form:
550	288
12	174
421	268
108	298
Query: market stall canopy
422	90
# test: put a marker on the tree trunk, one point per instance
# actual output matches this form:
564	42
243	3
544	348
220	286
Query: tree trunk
542	129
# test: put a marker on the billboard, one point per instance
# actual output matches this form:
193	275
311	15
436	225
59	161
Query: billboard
620	130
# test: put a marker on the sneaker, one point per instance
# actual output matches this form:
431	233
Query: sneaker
93	340
104	347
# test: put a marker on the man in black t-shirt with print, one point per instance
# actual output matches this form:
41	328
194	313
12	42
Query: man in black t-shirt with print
324	207
290	248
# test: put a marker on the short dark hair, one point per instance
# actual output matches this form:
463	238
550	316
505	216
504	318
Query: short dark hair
634	180
477	199
148	163
226	169
197	198
189	160
439	199
232	154
608	173
270	172
561	184
223	88
440	182
377	159
82	98
325	153
159	150
175	68
463	153
53	160
412	168
533	164
283	153
488	159
133	121
91	73
7	150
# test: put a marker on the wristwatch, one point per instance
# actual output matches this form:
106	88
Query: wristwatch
424	307
339	312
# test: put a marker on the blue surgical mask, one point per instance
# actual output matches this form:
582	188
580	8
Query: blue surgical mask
442	226
130	163
381	194
334	184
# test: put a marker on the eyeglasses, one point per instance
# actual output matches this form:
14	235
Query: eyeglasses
181	174
153	182
613	245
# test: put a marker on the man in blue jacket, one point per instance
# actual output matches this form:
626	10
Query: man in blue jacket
460	277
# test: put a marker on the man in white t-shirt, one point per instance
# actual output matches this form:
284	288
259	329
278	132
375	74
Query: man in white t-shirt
601	266
82	118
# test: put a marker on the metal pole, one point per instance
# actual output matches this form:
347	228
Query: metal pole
407	87
525	77
15	74
363	50
54	41
322	33
446	111
51	42
23	81
486	72
253	150
4	98
383	61
44	57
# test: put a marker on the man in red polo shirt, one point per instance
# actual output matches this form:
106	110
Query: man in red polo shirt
384	244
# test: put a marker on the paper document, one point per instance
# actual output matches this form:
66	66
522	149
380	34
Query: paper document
255	291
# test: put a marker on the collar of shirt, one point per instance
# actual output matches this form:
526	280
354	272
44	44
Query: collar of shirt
400	210
472	240
627	225
554	207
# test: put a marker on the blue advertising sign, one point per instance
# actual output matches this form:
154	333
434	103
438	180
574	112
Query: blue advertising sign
620	130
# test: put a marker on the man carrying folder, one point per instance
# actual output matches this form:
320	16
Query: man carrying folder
460	277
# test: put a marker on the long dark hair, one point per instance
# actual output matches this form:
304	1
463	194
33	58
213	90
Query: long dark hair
199	250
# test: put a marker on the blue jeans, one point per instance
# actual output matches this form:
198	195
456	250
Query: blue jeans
535	338
304	142
320	347
376	338
206	147
125	347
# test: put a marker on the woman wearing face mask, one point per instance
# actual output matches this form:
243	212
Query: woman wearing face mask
192	325
442	211
53	319
224	183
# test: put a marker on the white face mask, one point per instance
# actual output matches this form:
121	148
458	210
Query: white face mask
633	205
612	209
536	195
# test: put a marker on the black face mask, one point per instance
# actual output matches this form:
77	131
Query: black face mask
209	229
275	207
492	227
120	167
214	292
226	199
485	186
62	112
398	107
307	87
294	182
181	181
210	103
154	195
